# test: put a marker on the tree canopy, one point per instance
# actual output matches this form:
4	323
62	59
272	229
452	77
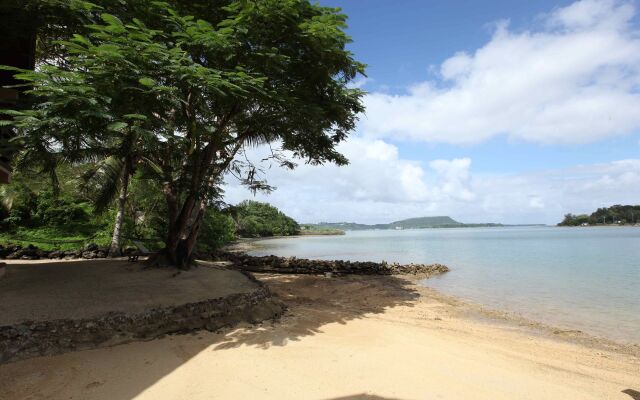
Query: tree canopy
256	219
617	214
186	88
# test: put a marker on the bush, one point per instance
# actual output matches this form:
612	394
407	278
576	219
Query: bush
217	230
255	219
58	211
18	203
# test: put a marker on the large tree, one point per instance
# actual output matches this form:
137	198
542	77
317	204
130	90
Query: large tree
191	87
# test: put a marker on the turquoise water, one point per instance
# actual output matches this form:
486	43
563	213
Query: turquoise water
575	278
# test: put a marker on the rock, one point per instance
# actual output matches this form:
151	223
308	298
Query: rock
42	253
70	254
56	254
91	247
32	339
294	265
90	254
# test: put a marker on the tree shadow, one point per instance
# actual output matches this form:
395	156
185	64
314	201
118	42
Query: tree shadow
313	302
316	301
363	396
635	395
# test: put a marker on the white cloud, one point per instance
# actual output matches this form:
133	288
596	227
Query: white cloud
379	186
588	14
456	177
575	80
376	173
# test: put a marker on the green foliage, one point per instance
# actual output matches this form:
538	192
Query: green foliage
68	237
312	229
54	210
33	213
410	223
255	219
185	88
617	214
17	202
217	230
22	206
574	220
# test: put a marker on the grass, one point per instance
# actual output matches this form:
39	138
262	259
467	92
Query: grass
69	237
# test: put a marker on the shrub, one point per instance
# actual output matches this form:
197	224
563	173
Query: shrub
54	210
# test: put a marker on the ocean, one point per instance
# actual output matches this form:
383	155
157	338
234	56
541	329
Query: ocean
585	278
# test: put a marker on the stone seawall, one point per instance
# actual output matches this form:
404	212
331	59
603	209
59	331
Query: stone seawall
32	339
293	265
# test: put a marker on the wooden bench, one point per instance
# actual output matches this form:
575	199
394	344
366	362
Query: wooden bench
142	251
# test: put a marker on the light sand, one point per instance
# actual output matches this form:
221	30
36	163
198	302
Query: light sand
343	338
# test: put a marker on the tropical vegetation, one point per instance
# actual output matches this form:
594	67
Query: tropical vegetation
617	214
30	213
255	219
172	94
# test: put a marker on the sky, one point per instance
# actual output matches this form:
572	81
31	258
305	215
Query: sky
493	111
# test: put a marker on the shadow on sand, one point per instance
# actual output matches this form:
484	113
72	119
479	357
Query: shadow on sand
313	302
316	301
363	396
635	395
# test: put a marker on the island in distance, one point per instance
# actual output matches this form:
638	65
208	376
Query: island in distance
410	223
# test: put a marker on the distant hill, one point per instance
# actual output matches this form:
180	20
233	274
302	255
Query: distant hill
424	222
410	223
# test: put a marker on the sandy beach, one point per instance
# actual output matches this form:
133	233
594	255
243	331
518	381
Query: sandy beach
345	338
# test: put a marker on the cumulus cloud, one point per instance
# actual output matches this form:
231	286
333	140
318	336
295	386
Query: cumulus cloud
380	186
376	173
576	79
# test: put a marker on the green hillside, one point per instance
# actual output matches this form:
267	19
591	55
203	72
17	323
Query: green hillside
410	223
425	222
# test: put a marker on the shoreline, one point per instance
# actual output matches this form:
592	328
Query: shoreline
490	315
512	320
353	337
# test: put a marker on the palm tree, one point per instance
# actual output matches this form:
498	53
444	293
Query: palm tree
108	178
111	177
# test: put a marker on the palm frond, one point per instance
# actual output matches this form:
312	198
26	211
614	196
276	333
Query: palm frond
102	182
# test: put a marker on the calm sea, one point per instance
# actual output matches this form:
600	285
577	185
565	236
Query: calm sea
575	278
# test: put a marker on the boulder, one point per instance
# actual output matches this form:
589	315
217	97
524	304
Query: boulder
91	247
56	254
90	254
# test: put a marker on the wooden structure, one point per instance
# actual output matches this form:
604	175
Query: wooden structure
17	49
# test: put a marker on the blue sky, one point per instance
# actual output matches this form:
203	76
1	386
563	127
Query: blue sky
493	111
400	40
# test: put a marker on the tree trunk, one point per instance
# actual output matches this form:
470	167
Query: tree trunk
181	239
114	249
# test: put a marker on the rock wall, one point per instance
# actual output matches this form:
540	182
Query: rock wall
32	339
293	265
31	252
244	262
